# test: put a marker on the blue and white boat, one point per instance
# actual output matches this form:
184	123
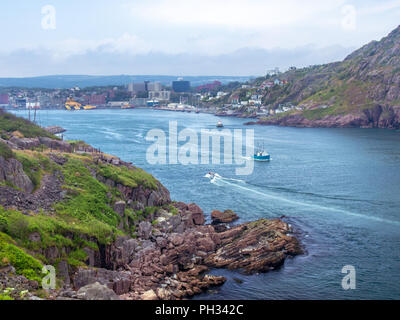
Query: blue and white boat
262	155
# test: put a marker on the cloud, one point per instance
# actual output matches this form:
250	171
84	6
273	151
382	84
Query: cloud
125	44
382	7
245	61
233	13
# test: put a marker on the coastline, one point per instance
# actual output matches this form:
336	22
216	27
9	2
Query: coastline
172	250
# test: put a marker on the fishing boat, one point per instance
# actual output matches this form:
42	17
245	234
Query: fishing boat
262	155
220	124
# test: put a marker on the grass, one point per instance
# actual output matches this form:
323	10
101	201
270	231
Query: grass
23	263
11	123
54	231
341	97
128	177
5	151
87	197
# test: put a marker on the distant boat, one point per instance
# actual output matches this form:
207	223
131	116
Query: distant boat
220	124
89	107
262	155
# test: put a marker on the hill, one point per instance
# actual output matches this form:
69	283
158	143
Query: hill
69	81
361	91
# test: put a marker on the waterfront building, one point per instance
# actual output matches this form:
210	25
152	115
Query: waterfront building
160	95
181	85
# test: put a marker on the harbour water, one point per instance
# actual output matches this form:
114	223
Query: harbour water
339	188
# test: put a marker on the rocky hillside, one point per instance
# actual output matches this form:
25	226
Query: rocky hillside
109	228
361	91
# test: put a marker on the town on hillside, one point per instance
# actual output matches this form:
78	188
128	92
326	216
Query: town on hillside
245	100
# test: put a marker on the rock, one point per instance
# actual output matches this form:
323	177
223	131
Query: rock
63	272
149	295
35	237
120	282
255	247
56	144
119	207
144	230
220	228
25	143
197	214
161	242
12	171
176	239
163	294
52	253
227	216
93	257
96	291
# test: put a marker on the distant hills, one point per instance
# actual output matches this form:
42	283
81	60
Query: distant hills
69	81
363	90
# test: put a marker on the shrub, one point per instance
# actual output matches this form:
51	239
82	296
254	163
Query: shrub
5	151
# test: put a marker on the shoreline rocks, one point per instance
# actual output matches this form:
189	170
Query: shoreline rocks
384	117
170	265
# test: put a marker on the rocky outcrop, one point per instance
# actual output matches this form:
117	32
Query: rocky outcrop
165	264
227	216
377	117
147	197
56	144
119	282
11	171
32	143
48	193
258	246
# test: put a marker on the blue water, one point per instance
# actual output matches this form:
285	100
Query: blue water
339	188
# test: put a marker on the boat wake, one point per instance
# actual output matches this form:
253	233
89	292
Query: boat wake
246	188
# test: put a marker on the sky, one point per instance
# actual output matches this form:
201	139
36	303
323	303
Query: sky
184	37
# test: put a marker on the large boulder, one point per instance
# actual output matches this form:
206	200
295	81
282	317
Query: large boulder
120	282
227	216
96	291
197	214
12	171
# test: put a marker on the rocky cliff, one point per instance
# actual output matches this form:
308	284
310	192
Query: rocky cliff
361	91
108	225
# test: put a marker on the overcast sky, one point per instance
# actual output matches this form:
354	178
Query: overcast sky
184	37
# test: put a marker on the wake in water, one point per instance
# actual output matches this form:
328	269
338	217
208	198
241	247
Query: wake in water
242	185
